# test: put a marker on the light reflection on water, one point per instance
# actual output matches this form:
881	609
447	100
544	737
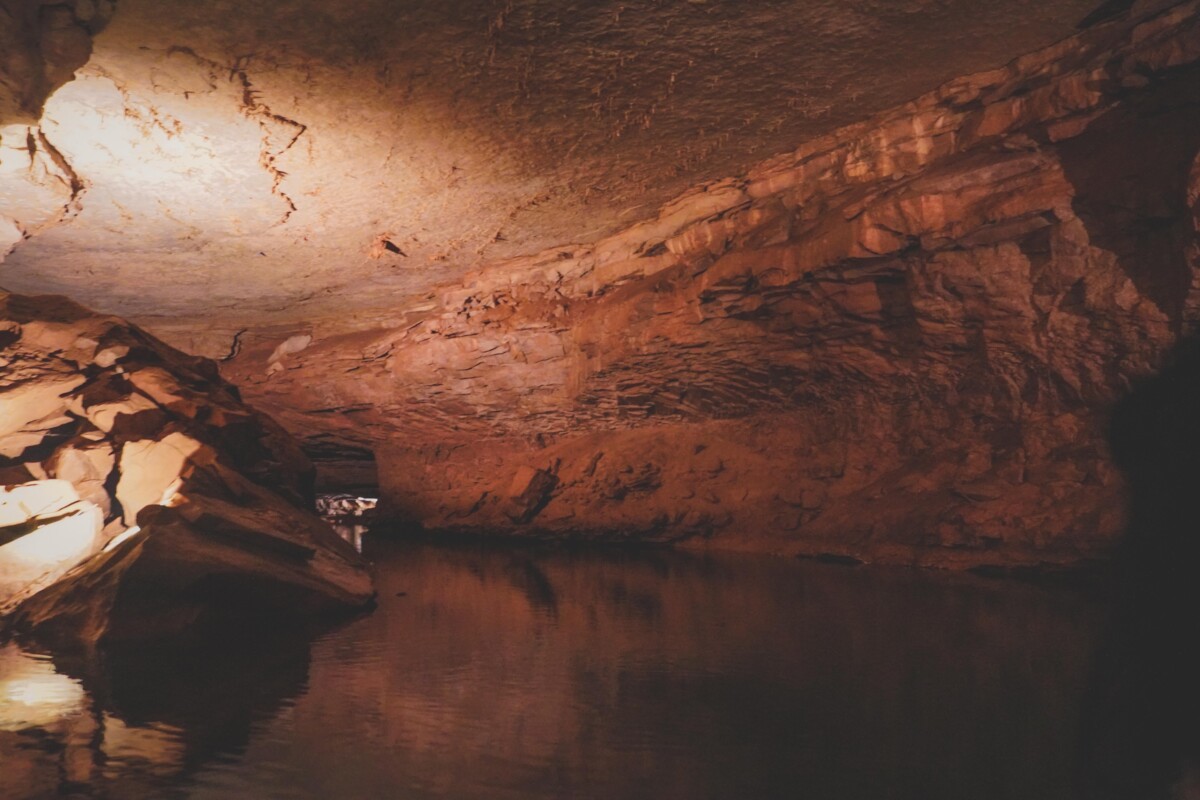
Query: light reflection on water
490	673
351	533
32	693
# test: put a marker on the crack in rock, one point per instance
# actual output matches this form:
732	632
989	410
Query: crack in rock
28	212
235	346
38	140
280	133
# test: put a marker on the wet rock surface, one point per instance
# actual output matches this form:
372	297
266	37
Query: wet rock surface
138	494
898	343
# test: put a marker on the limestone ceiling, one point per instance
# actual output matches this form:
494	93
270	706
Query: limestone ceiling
252	163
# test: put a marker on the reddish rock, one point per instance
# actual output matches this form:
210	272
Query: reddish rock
898	343
529	492
140	493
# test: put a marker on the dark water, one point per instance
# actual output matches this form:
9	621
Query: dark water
549	674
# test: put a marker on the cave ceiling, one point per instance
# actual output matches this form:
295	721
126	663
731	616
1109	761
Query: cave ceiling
255	163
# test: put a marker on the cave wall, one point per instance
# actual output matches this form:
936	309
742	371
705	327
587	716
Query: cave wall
42	44
898	343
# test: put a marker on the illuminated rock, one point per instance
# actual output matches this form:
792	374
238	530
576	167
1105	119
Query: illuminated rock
236	166
897	343
139	495
35	500
46	530
86	465
342	506
440	264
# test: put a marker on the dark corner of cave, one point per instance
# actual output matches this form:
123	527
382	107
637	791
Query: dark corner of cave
623	399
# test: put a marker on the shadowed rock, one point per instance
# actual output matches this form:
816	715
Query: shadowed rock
139	496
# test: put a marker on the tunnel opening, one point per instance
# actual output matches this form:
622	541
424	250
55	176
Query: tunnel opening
342	467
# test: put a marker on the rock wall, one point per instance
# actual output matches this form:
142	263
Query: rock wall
42	43
138	494
898	343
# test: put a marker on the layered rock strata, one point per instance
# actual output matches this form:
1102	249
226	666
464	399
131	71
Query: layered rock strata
897	343
138	494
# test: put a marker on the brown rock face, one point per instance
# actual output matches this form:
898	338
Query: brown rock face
897	343
137	493
41	46
235	163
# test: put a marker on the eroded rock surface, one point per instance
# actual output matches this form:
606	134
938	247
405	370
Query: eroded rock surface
42	44
899	342
137	493
235	163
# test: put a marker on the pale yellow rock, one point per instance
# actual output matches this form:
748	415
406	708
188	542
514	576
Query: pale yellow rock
87	469
150	468
84	436
46	552
35	500
28	403
104	415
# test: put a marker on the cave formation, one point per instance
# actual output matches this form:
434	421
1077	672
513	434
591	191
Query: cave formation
573	273
855	281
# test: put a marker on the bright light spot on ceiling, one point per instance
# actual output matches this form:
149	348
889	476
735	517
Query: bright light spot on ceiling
102	128
193	167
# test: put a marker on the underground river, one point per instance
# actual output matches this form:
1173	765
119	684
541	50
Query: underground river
547	673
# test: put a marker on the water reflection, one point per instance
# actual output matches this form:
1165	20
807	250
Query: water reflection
138	722
505	674
350	533
32	693
46	725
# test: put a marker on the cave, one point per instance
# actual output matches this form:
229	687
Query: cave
606	399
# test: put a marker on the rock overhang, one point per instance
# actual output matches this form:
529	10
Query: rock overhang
256	164
895	342
139	496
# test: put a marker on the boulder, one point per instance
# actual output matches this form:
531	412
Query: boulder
529	492
140	497
46	530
